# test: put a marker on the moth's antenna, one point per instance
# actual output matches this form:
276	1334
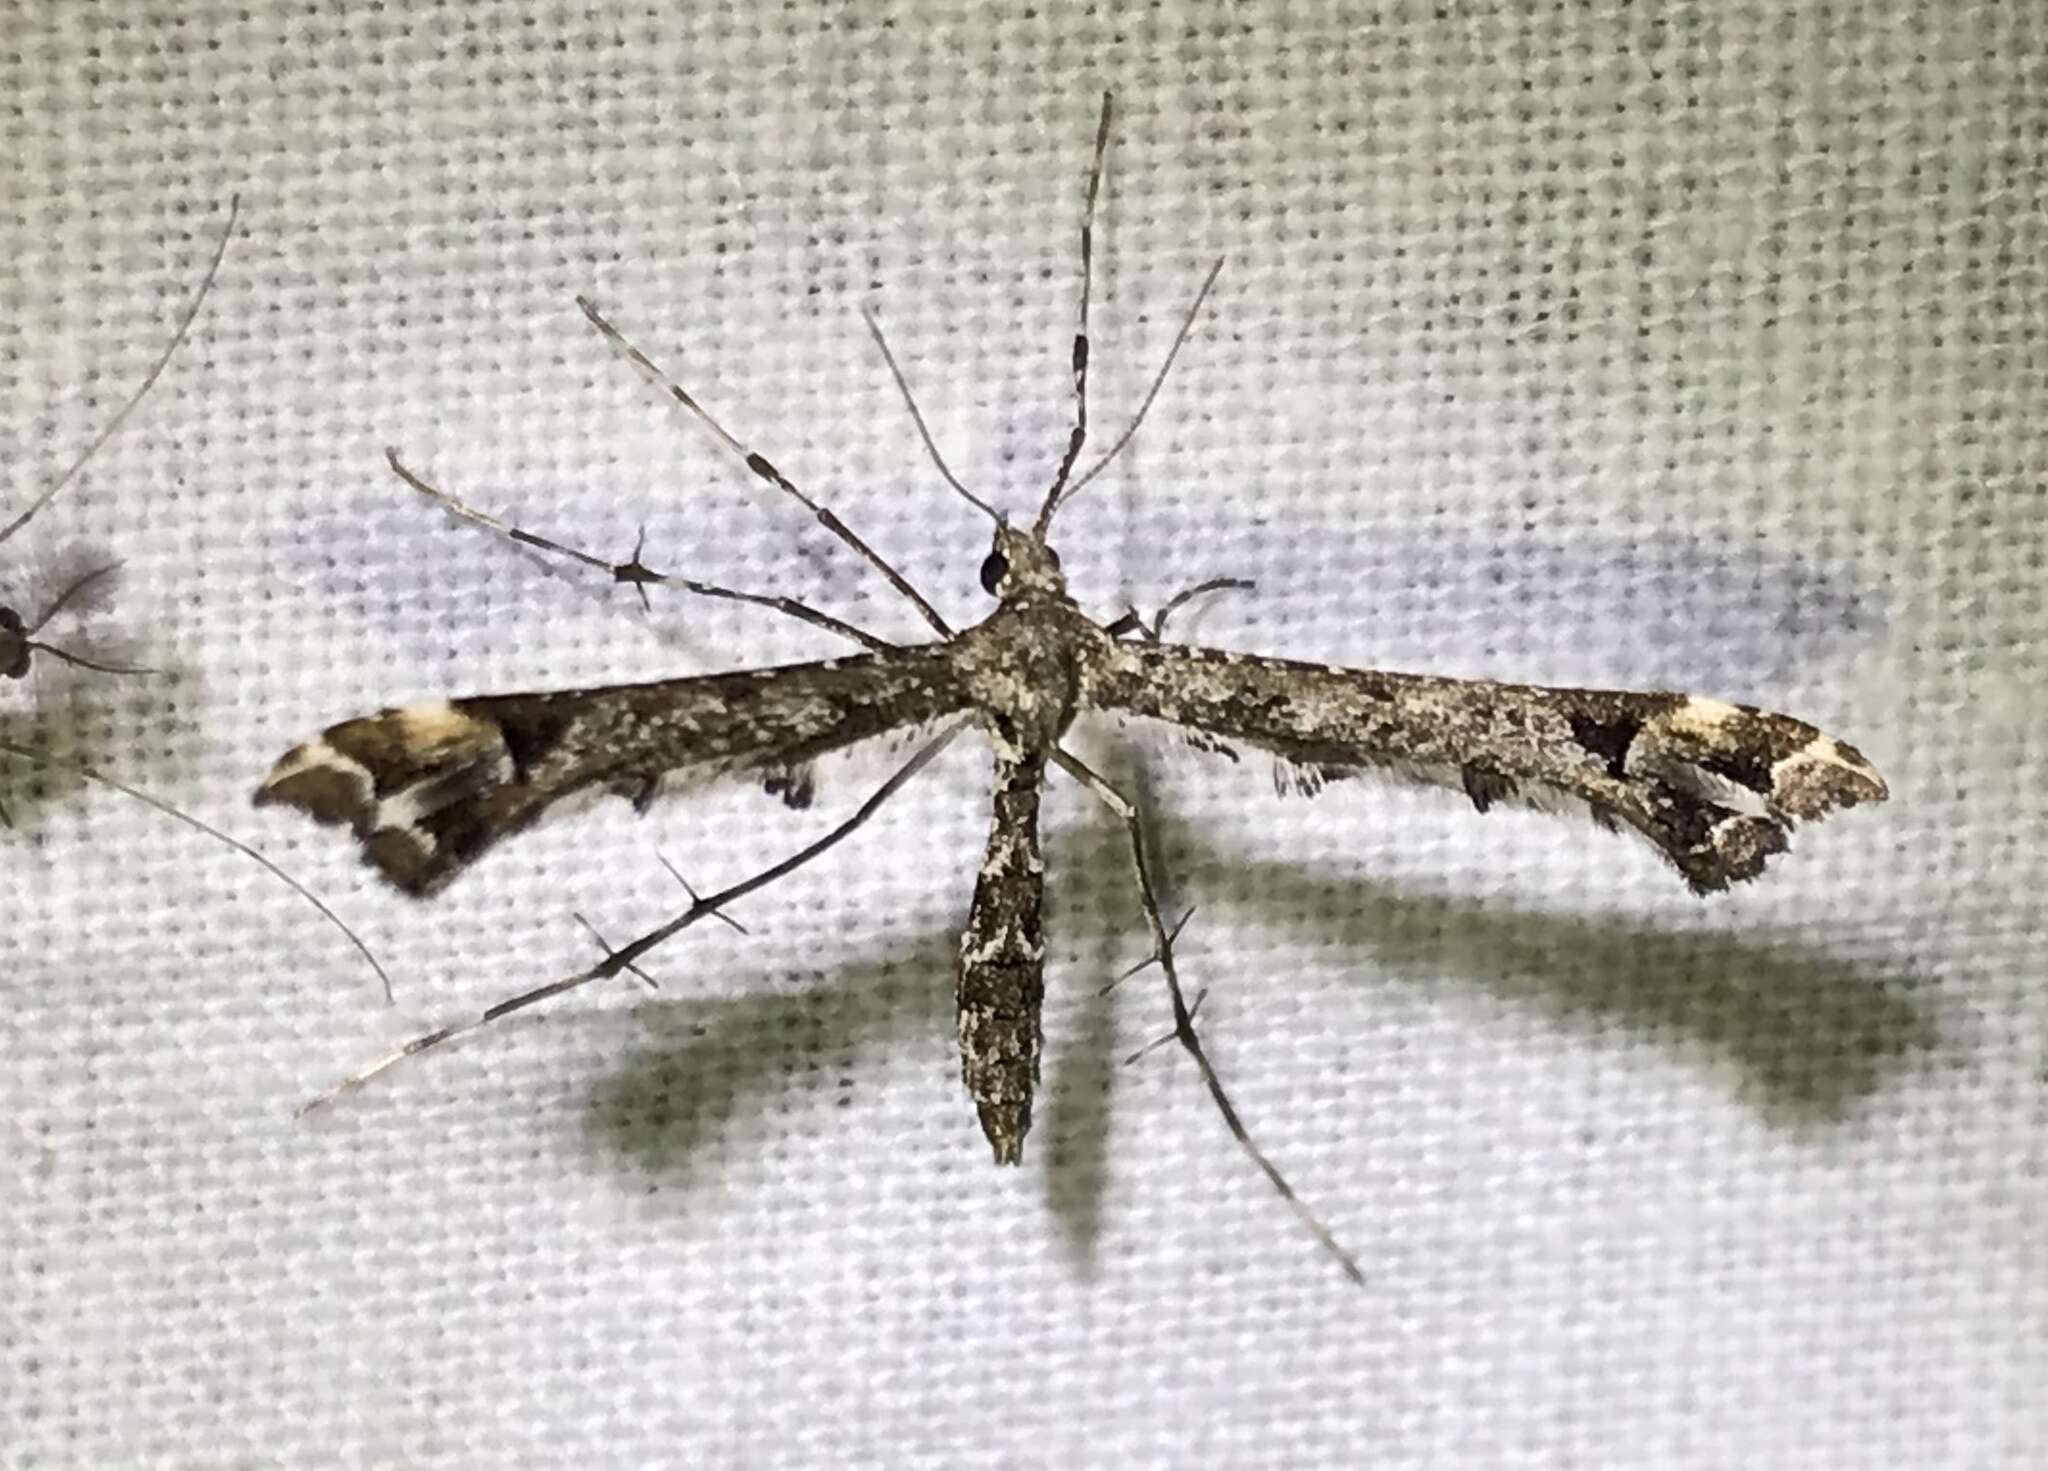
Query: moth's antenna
1079	436
79	768
1187	325
903	386
148	382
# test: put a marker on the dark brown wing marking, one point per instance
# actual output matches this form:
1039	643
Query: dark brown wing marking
1716	788
429	787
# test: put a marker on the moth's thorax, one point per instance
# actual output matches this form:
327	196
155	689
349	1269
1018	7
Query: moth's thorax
1025	664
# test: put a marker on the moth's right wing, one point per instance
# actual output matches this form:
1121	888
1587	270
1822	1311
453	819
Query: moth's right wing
429	787
1714	787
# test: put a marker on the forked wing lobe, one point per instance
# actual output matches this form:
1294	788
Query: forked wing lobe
429	787
1714	787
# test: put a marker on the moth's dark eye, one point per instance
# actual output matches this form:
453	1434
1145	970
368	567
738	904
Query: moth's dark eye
994	568
1054	557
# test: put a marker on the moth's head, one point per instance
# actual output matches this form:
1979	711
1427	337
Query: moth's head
1020	564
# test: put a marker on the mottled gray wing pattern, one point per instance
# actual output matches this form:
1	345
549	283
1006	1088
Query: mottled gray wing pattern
1716	788
429	787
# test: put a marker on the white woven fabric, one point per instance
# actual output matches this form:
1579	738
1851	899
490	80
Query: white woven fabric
1704	352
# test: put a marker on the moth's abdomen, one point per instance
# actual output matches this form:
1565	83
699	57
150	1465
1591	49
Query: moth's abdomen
1002	962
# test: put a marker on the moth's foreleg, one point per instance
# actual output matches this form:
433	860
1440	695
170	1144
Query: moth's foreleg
1002	961
761	467
635	573
1131	621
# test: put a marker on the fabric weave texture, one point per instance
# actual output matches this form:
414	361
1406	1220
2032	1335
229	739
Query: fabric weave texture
1698	348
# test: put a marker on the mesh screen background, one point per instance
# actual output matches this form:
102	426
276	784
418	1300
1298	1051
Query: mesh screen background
1570	345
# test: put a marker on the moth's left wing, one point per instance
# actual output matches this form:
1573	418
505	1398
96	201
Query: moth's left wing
1714	787
428	788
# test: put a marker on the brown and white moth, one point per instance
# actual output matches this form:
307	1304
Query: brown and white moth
1715	788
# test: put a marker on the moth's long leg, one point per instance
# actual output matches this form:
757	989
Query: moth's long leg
1166	1039
1172	938
148	381
634	572
626	956
1183	1016
1079	435
79	768
1188	594
675	873
606	946
761	466
1132	621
